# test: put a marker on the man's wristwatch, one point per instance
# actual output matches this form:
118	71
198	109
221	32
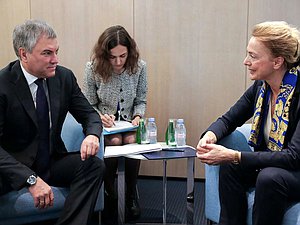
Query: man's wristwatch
31	180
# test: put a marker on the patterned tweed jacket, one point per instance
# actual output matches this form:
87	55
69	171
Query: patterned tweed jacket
129	90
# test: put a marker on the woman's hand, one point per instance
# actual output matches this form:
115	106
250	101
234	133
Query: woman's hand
208	138
107	120
210	153
214	154
136	121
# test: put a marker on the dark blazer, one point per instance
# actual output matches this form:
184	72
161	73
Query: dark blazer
242	111
18	119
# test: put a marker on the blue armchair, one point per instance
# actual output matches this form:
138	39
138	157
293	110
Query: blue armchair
17	207
237	140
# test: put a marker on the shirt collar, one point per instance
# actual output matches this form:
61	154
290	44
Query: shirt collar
29	77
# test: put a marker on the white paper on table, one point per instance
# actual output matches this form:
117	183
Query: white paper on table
166	147
124	150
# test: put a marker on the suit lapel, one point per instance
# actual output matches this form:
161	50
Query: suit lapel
24	95
23	92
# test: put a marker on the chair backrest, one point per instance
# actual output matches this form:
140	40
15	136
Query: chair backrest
245	130
238	139
72	135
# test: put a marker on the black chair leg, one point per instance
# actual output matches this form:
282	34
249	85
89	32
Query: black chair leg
209	222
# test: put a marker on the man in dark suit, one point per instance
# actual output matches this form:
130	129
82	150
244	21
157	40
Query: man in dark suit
36	157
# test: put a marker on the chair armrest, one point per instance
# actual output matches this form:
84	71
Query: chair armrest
73	136
237	140
212	203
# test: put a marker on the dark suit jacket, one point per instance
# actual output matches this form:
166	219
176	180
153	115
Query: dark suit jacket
242	110
18	119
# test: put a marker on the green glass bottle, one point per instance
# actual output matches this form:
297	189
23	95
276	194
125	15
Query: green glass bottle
144	133
171	133
141	133
138	132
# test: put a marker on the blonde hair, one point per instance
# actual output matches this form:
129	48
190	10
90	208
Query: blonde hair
281	39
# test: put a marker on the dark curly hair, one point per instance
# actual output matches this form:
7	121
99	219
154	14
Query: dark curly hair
110	38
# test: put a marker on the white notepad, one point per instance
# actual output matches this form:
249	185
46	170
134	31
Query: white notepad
120	126
123	150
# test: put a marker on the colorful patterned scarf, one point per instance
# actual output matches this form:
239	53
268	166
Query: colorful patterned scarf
280	117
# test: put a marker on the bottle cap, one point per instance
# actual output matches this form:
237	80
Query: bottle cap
180	121
151	119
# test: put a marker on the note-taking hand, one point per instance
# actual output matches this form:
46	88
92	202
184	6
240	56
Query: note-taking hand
108	120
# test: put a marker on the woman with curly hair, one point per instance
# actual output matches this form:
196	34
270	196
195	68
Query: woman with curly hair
115	83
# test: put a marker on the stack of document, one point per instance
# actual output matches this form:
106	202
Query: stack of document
120	126
129	149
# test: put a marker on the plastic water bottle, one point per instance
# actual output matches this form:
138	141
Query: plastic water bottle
180	133
152	131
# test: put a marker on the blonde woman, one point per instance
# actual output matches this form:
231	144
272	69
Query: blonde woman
273	102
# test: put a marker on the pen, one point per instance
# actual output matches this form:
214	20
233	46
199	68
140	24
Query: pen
176	149
113	120
119	112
